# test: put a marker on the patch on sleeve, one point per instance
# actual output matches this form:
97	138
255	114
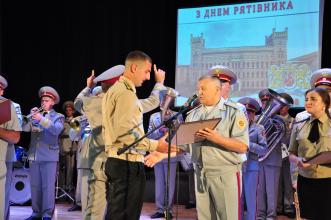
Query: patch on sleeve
241	122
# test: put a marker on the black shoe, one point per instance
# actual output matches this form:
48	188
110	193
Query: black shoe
190	205
75	208
280	212
170	215
33	218
47	218
290	214
158	215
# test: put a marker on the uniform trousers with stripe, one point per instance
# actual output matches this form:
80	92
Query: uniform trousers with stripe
218	193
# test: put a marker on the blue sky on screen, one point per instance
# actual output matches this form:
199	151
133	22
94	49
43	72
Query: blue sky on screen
250	29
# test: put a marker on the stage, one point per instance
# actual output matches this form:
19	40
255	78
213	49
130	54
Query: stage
61	213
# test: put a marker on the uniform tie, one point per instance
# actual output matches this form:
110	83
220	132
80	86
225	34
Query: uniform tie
314	134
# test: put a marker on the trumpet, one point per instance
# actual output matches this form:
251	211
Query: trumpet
27	118
78	123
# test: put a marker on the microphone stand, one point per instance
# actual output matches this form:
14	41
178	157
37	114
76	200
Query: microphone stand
127	147
171	130
170	125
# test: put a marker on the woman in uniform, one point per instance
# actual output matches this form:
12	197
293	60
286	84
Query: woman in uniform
310	137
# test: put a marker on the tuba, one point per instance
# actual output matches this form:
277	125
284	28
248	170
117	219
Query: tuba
274	126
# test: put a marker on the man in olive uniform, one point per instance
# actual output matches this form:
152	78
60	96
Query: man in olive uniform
9	134
90	106
218	159
285	191
122	114
257	147
43	153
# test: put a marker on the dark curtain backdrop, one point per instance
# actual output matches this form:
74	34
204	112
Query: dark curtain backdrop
58	43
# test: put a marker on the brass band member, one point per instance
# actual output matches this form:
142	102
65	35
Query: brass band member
267	190
285	190
68	149
257	146
43	153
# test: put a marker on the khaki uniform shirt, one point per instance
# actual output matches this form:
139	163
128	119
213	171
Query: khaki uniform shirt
302	147
122	116
233	124
90	106
11	154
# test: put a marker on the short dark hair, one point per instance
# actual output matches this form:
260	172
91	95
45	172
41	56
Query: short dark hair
324	94
138	55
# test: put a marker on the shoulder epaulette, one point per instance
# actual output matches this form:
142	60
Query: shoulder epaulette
127	85
302	120
231	104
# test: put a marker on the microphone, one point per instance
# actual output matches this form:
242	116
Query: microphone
191	100
167	101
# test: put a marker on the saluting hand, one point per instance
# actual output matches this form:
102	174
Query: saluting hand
89	80
159	75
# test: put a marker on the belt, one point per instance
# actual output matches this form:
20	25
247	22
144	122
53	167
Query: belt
112	152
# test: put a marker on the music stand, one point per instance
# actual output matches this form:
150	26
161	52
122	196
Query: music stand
63	192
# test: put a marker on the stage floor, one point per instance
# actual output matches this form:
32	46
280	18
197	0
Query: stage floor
61	213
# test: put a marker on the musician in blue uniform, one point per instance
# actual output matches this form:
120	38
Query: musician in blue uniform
267	191
285	190
257	147
45	128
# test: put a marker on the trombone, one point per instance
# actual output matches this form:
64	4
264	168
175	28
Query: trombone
27	118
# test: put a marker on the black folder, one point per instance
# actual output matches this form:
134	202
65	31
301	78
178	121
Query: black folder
186	131
320	158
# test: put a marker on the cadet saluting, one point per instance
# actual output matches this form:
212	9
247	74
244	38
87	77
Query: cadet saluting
44	153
